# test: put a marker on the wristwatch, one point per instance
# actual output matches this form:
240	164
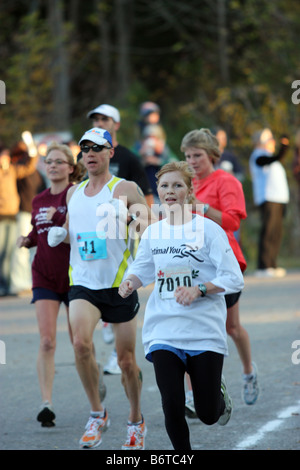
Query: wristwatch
202	289
205	208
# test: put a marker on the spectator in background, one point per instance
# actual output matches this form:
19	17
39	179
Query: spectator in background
155	153
149	114
296	167
9	208
28	188
228	161
151	145
271	195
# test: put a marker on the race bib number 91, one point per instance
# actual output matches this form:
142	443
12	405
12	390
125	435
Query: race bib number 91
170	278
92	245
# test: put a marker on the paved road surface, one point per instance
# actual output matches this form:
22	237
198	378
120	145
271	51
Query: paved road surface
270	311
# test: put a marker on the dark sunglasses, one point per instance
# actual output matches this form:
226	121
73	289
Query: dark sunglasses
94	148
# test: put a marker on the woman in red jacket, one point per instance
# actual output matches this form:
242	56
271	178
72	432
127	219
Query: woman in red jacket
223	202
50	282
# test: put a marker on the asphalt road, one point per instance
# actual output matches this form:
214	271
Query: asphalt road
270	311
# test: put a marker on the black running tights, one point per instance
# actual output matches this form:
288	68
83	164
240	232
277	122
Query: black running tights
205	371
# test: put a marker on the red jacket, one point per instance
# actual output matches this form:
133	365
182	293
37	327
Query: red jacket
224	192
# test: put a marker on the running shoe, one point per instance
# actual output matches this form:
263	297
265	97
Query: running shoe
112	366
270	272
102	386
46	415
225	417
250	386
108	333
136	434
190	411
94	429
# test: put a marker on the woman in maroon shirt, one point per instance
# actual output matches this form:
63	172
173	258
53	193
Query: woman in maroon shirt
50	265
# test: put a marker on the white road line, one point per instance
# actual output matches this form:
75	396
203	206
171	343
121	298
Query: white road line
270	426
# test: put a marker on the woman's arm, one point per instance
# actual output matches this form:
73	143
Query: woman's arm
187	295
130	284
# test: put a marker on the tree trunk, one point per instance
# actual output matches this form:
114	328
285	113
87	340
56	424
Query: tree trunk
102	93
123	23
222	41
60	69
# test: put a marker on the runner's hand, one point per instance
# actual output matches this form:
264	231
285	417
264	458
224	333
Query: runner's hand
186	295
56	235
125	288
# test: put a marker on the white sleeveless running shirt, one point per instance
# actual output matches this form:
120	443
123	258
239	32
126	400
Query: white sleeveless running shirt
99	255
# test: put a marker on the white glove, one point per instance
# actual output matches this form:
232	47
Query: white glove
56	235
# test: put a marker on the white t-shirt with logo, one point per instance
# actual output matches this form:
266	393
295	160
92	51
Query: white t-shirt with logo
189	254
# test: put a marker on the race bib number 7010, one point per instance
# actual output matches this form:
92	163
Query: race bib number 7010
169	279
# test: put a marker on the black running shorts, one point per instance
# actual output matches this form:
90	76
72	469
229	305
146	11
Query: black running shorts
113	308
40	293
231	299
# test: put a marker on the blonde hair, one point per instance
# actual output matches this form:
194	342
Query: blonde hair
185	171
262	136
79	169
202	139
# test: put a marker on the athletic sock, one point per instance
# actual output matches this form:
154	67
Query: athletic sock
135	424
98	414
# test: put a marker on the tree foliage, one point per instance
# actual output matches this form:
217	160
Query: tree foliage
227	62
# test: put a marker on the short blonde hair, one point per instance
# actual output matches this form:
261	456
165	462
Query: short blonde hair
262	136
186	173
79	169
202	139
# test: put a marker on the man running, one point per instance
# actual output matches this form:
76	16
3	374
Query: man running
99	259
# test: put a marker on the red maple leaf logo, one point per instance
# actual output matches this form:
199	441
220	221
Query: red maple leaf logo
160	273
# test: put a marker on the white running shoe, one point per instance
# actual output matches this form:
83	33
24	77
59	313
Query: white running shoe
250	386
190	411
94	429
225	417
136	434
271	272
107	333
112	366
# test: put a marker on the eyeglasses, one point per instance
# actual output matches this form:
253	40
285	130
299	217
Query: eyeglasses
56	162
94	148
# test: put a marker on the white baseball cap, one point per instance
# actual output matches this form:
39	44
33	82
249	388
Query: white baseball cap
98	136
106	110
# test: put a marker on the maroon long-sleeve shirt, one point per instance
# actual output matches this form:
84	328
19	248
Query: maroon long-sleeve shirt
50	265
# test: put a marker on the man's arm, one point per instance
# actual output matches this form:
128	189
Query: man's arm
137	206
263	160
